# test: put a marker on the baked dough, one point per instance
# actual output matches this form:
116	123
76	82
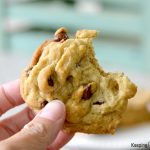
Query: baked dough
138	110
66	69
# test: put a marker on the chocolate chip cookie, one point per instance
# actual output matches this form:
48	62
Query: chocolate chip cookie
66	69
138	110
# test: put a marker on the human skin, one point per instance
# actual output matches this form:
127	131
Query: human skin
24	130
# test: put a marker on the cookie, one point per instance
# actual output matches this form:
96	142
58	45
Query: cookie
66	69
138	110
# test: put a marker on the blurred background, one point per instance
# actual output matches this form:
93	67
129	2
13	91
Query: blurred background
123	45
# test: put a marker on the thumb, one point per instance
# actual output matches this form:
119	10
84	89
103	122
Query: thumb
41	131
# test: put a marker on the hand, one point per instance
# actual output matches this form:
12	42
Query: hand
42	132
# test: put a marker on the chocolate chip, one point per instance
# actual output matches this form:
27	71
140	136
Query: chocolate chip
50	81
69	78
61	37
98	103
87	93
28	71
43	104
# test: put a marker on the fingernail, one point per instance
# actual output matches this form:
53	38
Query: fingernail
54	111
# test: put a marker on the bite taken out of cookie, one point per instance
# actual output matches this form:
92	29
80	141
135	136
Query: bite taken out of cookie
66	69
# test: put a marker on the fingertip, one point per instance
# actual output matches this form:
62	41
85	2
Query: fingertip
54	110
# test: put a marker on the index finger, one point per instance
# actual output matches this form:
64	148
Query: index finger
10	96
